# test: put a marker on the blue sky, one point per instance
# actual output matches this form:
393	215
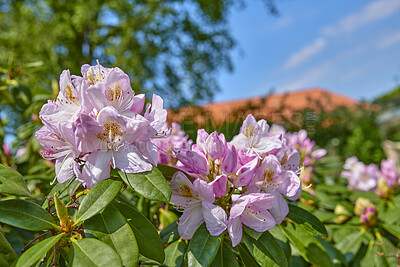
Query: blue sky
349	47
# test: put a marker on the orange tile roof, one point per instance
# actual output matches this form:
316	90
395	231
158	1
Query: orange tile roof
273	107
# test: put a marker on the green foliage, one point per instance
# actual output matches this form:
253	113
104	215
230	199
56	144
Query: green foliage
92	252
35	253
12	182
111	228
149	242
151	185
202	248
26	215
97	199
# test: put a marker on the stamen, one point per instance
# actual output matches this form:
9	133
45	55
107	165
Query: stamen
253	214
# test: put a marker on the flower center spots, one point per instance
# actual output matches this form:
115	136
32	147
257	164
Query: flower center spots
284	159
185	190
114	92
268	175
249	131
69	92
112	135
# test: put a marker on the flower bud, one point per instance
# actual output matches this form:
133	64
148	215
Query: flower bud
343	213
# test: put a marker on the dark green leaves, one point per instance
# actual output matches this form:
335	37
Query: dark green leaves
11	182
202	248
92	252
26	215
265	250
111	228
174	254
225	257
97	199
151	185
7	254
148	240
307	245
35	253
307	220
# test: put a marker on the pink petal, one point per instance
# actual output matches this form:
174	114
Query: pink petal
215	218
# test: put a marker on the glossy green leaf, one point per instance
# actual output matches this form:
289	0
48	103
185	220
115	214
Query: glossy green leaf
247	258
307	196
351	242
147	238
151	185
12	182
337	258
111	228
169	171
307	245
174	253
225	257
283	242
26	215
202	248
252	233
307	220
6	251
94	253
393	229
170	233
266	250
97	199
167	217
35	253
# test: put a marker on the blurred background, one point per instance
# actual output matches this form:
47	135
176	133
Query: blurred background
330	67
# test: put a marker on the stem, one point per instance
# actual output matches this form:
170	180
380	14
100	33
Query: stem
54	263
36	238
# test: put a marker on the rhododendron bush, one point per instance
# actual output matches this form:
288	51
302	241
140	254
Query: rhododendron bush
129	189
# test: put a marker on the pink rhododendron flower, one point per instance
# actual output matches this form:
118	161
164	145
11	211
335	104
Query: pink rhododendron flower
96	123
251	210
196	200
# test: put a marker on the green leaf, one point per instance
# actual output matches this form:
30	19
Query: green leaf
6	251
307	220
111	228
147	238
174	253
392	229
225	257
26	215
94	253
35	253
337	258
252	233
170	233
151	185
307	245
351	242
202	248
266	250
169	171
247	258
12	182
97	199
283	242
307	196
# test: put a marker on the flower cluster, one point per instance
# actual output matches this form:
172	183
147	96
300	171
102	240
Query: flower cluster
176	138
369	177
234	183
308	155
97	122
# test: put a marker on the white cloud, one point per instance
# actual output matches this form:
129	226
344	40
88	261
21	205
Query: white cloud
389	40
310	78
305	54
372	12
